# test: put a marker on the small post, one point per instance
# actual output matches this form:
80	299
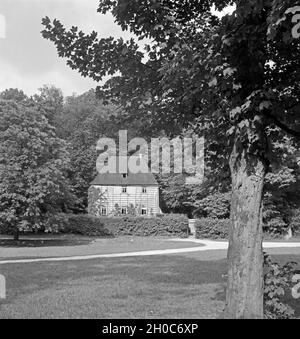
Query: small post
192	227
2	287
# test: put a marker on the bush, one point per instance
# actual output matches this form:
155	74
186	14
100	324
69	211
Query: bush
274	224
275	216
212	228
56	223
295	222
5	227
278	282
167	225
82	224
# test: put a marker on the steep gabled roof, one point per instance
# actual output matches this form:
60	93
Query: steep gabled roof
117	179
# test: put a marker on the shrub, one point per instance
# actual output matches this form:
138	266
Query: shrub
6	227
9	226
295	222
278	281
275	216
208	228
56	223
82	224
273	223
167	225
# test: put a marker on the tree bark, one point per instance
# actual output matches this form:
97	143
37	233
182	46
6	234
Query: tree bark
244	299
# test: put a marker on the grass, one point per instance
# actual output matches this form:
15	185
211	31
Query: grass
73	246
178	286
10	243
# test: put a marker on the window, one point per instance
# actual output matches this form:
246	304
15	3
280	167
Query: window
124	210
144	190
124	189
144	211
104	211
125	176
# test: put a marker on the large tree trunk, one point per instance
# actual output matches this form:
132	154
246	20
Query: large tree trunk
244	298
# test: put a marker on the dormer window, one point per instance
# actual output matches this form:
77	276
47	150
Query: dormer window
125	176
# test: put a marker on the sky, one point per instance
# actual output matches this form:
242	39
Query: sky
27	61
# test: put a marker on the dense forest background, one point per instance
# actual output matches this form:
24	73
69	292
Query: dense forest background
78	122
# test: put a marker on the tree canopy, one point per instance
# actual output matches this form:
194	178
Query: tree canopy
32	167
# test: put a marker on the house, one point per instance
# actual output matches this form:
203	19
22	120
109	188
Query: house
114	194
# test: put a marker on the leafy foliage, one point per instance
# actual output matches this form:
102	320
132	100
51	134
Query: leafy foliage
174	193
274	216
295	222
82	224
168	225
96	201
215	206
32	166
214	229
212	76
278	282
51	99
13	94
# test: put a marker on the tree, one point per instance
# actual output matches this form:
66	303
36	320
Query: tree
282	187
32	166
13	94
174	194
51	99
241	71
84	120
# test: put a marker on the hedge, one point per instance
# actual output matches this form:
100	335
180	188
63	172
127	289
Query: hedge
167	225
212	228
82	224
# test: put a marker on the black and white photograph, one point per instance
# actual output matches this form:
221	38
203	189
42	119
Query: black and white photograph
149	163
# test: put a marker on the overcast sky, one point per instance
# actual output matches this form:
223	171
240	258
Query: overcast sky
27	61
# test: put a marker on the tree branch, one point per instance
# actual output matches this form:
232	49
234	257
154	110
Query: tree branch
284	127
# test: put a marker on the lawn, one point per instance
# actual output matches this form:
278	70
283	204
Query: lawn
66	246
177	286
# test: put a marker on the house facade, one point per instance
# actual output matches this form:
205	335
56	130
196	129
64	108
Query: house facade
124	194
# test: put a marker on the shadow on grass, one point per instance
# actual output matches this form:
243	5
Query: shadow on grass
7	243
